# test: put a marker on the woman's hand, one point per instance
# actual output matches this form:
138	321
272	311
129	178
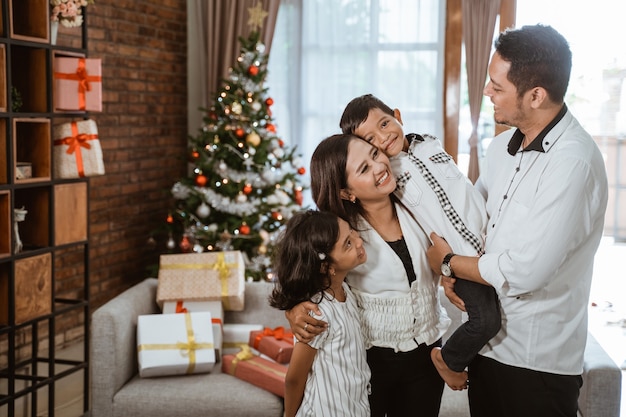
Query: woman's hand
304	326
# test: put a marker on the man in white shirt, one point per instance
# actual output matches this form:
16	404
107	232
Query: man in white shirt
546	190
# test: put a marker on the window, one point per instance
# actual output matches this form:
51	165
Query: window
326	52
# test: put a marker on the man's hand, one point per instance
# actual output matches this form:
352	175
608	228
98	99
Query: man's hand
448	288
437	252
304	326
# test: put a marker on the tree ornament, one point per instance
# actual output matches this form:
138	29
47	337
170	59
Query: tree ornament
270	128
247	189
277	216
298	197
185	244
236	108
170	218
203	210
253	70
239	132
201	180
281	143
253	139
241	198
171	244
244	229
195	154
301	170
269	101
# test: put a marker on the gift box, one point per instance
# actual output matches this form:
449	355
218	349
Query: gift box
213	307
209	276
276	343
77	84
256	370
77	152
236	336
175	344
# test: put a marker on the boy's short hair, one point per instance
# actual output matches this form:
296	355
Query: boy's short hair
357	110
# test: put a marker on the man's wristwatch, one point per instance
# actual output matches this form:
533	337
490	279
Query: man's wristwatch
446	268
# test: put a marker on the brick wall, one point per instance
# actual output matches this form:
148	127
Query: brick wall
143	131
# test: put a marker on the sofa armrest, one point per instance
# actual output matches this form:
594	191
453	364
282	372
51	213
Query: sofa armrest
602	383
113	349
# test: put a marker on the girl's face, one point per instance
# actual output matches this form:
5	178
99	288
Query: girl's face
348	251
368	173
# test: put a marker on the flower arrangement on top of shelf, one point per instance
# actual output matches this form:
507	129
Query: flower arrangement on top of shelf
68	12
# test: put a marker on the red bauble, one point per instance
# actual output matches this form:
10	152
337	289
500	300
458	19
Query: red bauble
276	215
201	180
170	219
247	189
301	170
195	154
244	229
253	70
298	197
271	127
240	132
269	101
281	143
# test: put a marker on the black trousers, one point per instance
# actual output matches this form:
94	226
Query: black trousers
499	390
404	383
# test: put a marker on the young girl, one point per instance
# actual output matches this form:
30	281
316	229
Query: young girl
329	376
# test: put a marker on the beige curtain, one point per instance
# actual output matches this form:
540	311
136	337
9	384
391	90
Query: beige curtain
220	24
479	19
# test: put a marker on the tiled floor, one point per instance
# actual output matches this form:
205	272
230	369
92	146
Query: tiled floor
607	322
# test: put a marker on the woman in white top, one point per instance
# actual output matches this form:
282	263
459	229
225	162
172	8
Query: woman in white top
395	288
328	377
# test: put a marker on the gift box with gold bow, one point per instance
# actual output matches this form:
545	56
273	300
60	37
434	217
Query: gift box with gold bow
77	84
276	343
77	151
209	276
236	336
175	344
217	317
256	370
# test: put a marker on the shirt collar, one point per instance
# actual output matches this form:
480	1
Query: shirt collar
537	143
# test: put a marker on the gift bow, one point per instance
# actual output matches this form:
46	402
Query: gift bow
83	81
187	349
279	333
75	142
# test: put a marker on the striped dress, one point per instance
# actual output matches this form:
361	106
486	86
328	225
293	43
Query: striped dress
338	384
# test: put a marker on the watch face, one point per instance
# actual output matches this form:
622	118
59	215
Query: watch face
446	270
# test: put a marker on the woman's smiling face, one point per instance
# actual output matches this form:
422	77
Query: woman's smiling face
368	172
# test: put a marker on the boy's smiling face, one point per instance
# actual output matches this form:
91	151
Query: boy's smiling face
383	131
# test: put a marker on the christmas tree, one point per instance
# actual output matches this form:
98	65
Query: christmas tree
246	182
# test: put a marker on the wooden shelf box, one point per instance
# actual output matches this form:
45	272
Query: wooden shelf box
35	229
3	78
33	289
30	20
5	223
4	157
29	77
31	143
70	213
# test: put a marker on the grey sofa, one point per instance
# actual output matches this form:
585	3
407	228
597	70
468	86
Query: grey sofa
117	390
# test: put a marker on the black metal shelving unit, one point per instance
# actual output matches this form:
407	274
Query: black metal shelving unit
30	369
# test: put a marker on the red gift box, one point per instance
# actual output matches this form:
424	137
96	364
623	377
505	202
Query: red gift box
256	370
275	343
77	84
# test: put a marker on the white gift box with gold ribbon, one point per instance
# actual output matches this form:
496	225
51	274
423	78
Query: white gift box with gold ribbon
175	344
209	276
237	335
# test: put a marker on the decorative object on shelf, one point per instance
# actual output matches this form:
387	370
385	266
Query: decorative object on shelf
77	151
16	99
54	31
68	12
23	170
19	216
77	84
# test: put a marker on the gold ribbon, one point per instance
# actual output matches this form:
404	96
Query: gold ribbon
220	265
75	142
245	355
186	349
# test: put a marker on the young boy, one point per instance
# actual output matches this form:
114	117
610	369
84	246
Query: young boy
442	200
